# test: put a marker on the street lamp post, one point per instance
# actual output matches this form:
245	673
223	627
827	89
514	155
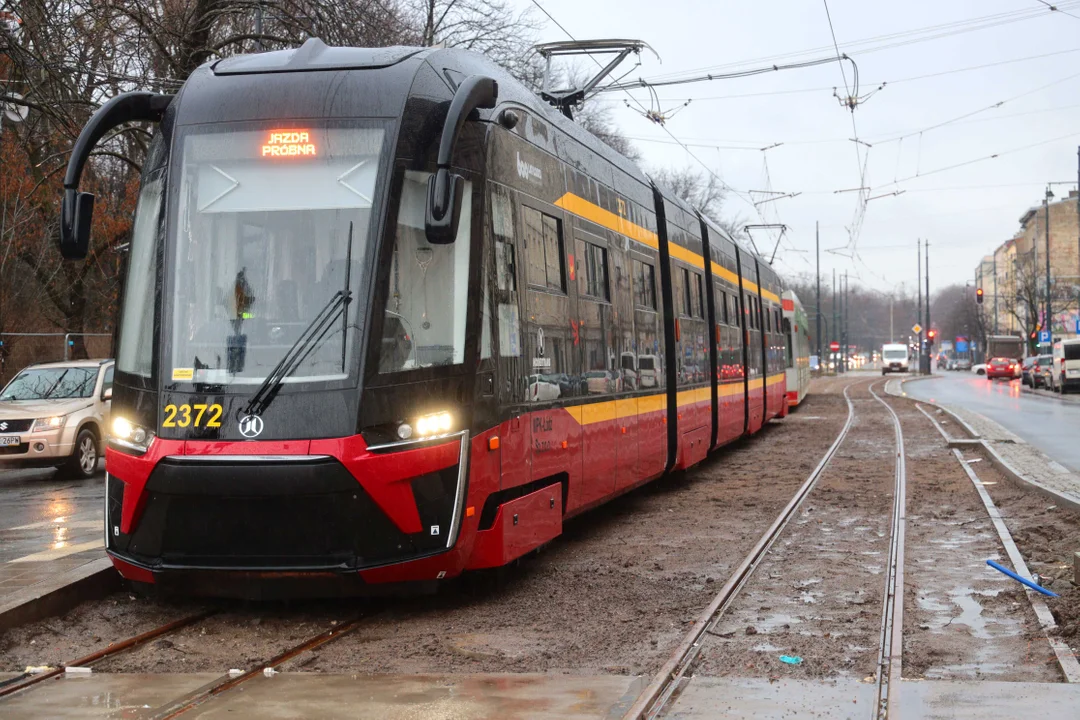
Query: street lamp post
1048	322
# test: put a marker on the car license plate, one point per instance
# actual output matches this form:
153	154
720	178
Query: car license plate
10	441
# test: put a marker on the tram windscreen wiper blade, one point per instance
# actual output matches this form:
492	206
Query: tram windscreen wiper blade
309	339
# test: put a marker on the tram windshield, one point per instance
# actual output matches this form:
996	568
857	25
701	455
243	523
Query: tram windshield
271	225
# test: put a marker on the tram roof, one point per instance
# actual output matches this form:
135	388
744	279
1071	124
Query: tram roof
312	72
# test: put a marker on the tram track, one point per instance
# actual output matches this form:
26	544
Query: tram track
27	680
179	706
666	685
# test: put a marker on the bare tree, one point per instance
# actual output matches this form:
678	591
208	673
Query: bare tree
495	28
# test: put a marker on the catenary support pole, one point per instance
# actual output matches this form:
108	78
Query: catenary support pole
1048	322
918	287
929	349
847	316
995	293
817	251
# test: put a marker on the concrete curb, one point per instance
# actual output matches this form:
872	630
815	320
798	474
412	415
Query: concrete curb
995	458
52	597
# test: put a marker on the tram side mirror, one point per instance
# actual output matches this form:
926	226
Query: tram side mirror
446	189
76	214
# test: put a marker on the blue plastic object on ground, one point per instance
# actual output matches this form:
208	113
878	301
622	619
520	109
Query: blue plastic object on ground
1027	582
791	659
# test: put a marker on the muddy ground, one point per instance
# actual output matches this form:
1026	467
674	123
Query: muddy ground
818	594
614	594
1047	535
962	619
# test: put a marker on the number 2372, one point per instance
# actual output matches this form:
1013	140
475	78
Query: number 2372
192	415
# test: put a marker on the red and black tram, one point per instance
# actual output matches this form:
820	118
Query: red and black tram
388	317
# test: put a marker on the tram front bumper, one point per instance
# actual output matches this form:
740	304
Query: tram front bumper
298	522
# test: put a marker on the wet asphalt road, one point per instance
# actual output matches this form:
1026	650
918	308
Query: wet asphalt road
1047	422
32	496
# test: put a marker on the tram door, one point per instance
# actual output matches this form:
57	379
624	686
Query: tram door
598	359
511	376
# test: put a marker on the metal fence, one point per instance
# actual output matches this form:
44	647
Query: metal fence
17	350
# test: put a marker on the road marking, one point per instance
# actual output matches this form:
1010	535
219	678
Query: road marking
58	553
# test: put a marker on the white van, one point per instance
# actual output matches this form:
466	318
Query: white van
894	358
1065	371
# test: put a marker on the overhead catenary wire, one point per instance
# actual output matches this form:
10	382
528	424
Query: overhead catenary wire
708	169
904	37
1055	8
883	83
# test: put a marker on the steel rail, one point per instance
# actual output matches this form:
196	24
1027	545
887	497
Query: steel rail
228	682
114	648
652	700
891	648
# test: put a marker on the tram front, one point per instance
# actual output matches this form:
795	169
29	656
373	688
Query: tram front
297	345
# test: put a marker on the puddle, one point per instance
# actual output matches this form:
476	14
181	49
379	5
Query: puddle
776	622
971	614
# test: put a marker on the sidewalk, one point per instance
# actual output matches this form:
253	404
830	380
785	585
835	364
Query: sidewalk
47	565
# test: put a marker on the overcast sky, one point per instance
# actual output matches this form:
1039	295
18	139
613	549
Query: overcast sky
964	212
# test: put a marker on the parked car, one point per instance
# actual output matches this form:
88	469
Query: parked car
963	364
1001	367
1041	375
1064	371
1028	368
979	369
57	415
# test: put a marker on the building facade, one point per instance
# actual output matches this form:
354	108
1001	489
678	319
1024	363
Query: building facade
1014	277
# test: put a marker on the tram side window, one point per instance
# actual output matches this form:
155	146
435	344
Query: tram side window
502	220
135	353
594	281
644	285
543	245
697	296
682	289
723	305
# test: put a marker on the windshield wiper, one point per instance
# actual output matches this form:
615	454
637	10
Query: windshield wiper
55	385
309	339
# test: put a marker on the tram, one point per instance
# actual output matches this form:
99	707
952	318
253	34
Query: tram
389	317
797	334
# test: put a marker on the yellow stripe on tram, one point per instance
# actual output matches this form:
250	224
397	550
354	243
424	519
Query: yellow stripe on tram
592	212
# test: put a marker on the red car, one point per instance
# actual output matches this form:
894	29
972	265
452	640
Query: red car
1000	367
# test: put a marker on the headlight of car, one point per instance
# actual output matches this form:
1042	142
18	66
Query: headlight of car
49	423
130	436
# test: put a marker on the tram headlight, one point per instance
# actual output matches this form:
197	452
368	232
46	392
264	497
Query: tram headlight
130	436
434	424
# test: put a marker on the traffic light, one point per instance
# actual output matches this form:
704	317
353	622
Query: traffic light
979	295
931	334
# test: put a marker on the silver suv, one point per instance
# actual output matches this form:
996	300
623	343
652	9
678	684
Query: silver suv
56	415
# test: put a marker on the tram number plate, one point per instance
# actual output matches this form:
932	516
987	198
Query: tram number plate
10	441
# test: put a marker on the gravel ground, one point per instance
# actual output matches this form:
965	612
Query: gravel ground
962	619
818	594
614	594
